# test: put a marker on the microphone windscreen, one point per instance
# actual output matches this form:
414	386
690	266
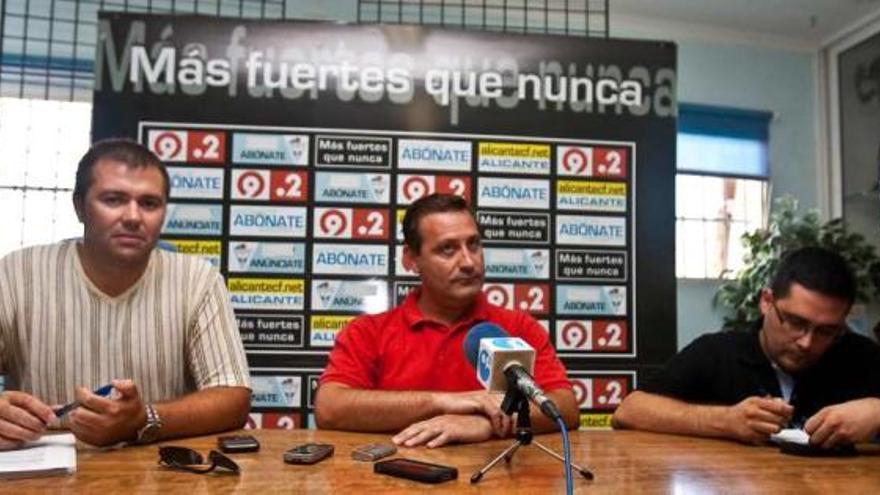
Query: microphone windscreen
471	344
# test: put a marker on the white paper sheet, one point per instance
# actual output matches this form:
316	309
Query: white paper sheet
50	455
793	435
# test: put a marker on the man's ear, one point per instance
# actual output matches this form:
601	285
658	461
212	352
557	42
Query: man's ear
79	209
409	261
765	300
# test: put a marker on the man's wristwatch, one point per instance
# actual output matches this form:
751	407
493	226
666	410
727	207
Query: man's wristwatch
150	431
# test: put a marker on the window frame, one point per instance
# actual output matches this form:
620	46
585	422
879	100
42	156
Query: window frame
724	122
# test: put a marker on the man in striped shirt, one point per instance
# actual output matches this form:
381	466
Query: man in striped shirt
112	309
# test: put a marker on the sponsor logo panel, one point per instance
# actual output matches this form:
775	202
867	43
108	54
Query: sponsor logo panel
270	331
208	250
268	221
312	387
402	289
340	187
325	328
250	184
184	146
513	193
276	391
351	223
514	158
591	300
592	336
193	219
353	151
429	154
349	259
591	196
594	421
399	269
282	186
168	145
517	263
413	187
254	421
590	230
274	421
196	183
362	296
585	264
595	391
592	161
266	257
270	149
532	298
399	214
506	226
267	293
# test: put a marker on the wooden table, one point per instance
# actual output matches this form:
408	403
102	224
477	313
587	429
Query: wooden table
622	461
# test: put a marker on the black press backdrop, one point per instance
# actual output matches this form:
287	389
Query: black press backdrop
295	146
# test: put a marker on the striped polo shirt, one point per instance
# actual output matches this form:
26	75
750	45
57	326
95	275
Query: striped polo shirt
172	332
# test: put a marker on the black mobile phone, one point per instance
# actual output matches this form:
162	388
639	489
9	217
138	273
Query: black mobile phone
232	444
308	453
416	470
807	450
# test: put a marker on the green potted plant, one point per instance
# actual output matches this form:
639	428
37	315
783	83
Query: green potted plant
788	230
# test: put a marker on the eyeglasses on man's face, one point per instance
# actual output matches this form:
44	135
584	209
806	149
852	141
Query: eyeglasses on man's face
186	459
802	326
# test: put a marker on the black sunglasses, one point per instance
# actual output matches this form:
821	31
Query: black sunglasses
186	459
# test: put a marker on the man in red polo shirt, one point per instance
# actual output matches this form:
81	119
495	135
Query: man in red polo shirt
404	370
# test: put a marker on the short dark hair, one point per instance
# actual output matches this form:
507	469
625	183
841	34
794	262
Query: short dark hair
433	203
817	269
124	150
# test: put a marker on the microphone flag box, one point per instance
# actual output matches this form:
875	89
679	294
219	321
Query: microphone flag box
496	354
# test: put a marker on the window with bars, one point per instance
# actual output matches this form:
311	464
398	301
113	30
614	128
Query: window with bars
722	187
42	140
570	17
48	46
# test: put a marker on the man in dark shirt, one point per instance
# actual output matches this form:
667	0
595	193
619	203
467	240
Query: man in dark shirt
799	367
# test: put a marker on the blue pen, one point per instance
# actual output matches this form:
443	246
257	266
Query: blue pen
103	392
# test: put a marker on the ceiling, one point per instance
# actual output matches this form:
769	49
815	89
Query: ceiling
808	22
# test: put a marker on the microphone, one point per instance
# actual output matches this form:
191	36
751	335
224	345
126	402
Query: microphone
501	360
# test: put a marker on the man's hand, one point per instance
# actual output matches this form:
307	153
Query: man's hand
849	422
448	428
99	421
478	402
754	419
23	418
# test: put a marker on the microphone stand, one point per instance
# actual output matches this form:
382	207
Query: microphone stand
516	401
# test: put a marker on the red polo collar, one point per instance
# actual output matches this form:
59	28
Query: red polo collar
416	320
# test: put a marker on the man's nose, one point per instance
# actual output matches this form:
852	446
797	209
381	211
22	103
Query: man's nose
466	260
132	213
805	340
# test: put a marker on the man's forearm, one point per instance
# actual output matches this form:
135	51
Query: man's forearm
206	411
567	405
652	412
338	407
